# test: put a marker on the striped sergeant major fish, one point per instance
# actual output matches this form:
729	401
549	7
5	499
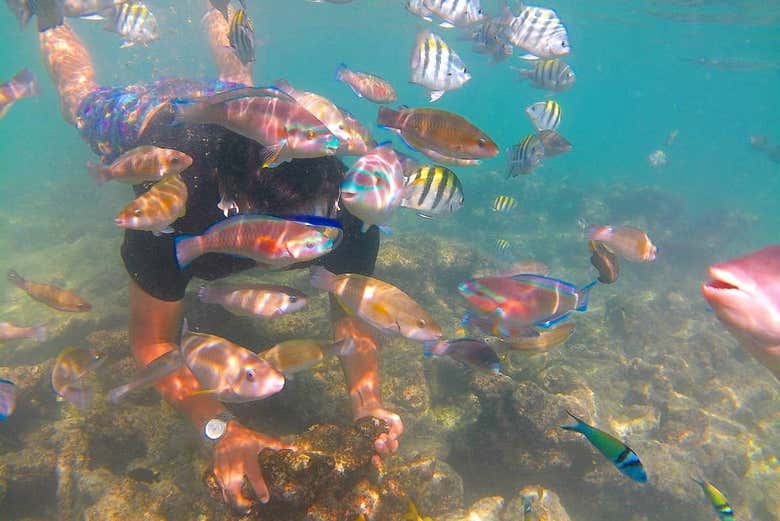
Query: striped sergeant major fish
242	36
134	22
454	13
545	115
502	246
554	75
488	38
504	203
433	190
525	156
718	500
620	454
436	66
537	30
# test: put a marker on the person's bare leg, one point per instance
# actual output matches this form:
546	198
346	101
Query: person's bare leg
229	66
70	68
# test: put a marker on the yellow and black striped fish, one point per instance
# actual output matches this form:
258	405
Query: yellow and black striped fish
545	115
242	36
538	30
502	246
718	500
525	156
436	66
433	190
134	22
504	203
555	75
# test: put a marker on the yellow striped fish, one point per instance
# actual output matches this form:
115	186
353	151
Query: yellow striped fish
134	22
436	66
555	75
718	500
537	30
433	190
242	36
504	203
156	209
545	115
525	156
502	245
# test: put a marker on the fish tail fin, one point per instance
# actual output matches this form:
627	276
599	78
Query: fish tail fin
100	174
321	278
15	278
40	333
341	70
388	118
584	296
27	83
188	247
578	425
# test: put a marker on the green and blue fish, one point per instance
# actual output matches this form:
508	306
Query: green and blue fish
718	500
620	454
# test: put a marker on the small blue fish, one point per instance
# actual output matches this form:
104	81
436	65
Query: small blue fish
7	398
718	500
612	448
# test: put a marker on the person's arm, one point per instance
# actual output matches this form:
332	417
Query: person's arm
229	66
154	330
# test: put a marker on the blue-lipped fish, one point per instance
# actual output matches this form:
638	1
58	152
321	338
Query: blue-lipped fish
22	85
504	203
134	22
272	242
382	305
142	164
241	36
9	331
545	115
254	300
156	209
69	372
471	351
718	500
374	186
553	75
537	30
436	66
433	191
525	156
620	454
7	398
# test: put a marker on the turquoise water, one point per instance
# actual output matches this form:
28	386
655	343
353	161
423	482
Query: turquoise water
716	198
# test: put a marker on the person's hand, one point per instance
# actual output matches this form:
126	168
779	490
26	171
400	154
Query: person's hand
235	457
386	443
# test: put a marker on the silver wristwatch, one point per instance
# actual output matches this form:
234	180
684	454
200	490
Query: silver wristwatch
215	428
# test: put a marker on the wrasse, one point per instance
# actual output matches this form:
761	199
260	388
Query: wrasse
630	243
156	209
540	342
612	448
436	66
353	137
438	131
433	190
272	242
265	115
718	500
67	376
374	186
7	398
255	300
141	165
22	85
52	296
366	85
472	352
382	305
526	299
9	331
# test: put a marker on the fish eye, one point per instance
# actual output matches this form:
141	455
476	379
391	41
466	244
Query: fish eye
174	159
308	245
482	142
293	298
250	374
421	323
310	134
137	212
563	44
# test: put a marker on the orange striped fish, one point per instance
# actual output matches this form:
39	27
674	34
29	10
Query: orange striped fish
52	296
157	209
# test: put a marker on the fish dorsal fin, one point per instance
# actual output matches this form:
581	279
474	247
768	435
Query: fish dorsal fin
249	92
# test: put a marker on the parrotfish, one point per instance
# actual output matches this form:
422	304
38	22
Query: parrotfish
366	85
435	66
153	372
432	130
140	165
745	295
605	262
293	356
70	369
7	398
526	299
491	325
540	342
354	139
9	331
265	115
612	448
718	500
272	242
471	351
52	296
382	305
374	186
630	243
254	300
156	209
22	85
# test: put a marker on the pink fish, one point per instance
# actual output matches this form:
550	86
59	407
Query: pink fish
9	331
745	295
366	85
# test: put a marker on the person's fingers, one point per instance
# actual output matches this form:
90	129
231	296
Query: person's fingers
255	477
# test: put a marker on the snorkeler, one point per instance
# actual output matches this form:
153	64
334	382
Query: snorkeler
225	176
